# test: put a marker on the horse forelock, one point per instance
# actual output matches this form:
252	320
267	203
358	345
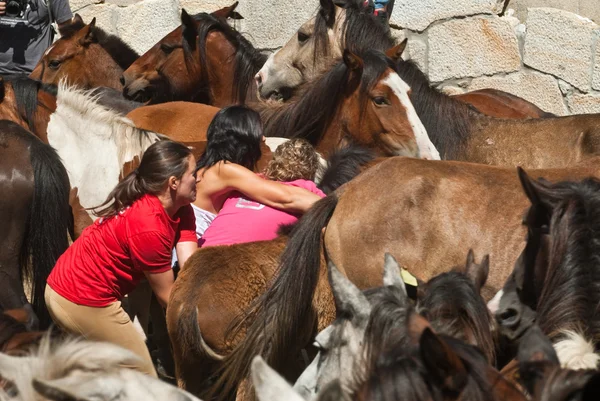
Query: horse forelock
571	290
26	95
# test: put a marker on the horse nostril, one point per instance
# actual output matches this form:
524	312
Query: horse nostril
122	80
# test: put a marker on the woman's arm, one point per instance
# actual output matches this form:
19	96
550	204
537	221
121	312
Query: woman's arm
161	284
184	250
270	193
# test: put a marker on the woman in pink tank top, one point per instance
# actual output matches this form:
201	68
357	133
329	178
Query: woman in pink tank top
242	219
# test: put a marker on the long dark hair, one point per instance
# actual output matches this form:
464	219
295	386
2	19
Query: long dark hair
162	160
234	136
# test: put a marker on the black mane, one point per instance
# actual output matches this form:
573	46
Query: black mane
248	60
26	94
571	291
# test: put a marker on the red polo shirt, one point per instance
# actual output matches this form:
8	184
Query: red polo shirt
110	257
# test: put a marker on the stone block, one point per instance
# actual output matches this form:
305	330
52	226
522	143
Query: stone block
143	24
535	87
106	17
472	47
269	24
451	90
417	15
560	43
587	8
580	103
204	6
77	5
596	76
417	51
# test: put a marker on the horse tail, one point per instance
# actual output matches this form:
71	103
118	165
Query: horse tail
48	225
278	319
189	347
343	165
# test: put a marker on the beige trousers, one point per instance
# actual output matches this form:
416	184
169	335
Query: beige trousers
110	323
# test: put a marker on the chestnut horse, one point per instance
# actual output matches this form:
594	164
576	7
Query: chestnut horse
217	284
424	215
34	216
342	24
87	57
354	102
181	66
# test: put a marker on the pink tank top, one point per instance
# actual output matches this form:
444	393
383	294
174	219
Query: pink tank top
242	220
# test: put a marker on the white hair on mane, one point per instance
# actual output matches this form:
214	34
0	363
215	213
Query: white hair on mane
130	140
56	359
575	352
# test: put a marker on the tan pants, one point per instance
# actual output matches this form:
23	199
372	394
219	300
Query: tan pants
109	323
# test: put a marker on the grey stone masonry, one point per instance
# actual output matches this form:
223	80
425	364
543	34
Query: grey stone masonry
584	103
560	43
472	47
418	15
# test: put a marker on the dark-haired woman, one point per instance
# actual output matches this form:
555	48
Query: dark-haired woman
143	218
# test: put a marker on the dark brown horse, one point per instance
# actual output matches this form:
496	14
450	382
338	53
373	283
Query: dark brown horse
16	333
34	214
341	24
557	277
87	57
203	60
418	211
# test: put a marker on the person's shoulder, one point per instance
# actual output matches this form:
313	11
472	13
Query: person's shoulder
145	214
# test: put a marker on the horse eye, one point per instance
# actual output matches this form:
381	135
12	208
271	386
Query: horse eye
380	101
54	64
166	48
302	37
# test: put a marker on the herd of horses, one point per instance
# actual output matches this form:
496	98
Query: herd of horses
416	175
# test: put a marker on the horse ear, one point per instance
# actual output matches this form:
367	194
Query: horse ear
348	298
477	272
228	12
88	33
269	385
327	11
442	363
538	191
395	53
391	273
189	30
53	391
352	61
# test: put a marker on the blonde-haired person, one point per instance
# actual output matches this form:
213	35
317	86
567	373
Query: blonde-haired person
242	219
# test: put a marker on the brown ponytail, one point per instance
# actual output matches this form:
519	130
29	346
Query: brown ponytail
161	161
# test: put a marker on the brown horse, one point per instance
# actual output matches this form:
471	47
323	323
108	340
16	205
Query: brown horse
217	284
353	102
87	57
28	103
192	62
34	216
15	336
425	218
342	24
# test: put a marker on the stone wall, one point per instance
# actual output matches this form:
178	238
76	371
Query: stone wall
548	56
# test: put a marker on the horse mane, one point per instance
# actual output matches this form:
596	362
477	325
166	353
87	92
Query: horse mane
343	165
452	304
248	60
445	119
309	113
571	291
130	140
360	31
117	49
26	93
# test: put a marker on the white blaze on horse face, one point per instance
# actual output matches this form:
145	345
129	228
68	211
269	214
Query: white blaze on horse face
427	149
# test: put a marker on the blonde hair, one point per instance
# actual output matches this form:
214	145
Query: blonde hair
293	160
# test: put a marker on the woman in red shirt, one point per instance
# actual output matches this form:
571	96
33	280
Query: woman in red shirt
143	219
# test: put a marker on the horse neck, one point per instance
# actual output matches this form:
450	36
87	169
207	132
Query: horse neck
105	72
223	84
448	121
